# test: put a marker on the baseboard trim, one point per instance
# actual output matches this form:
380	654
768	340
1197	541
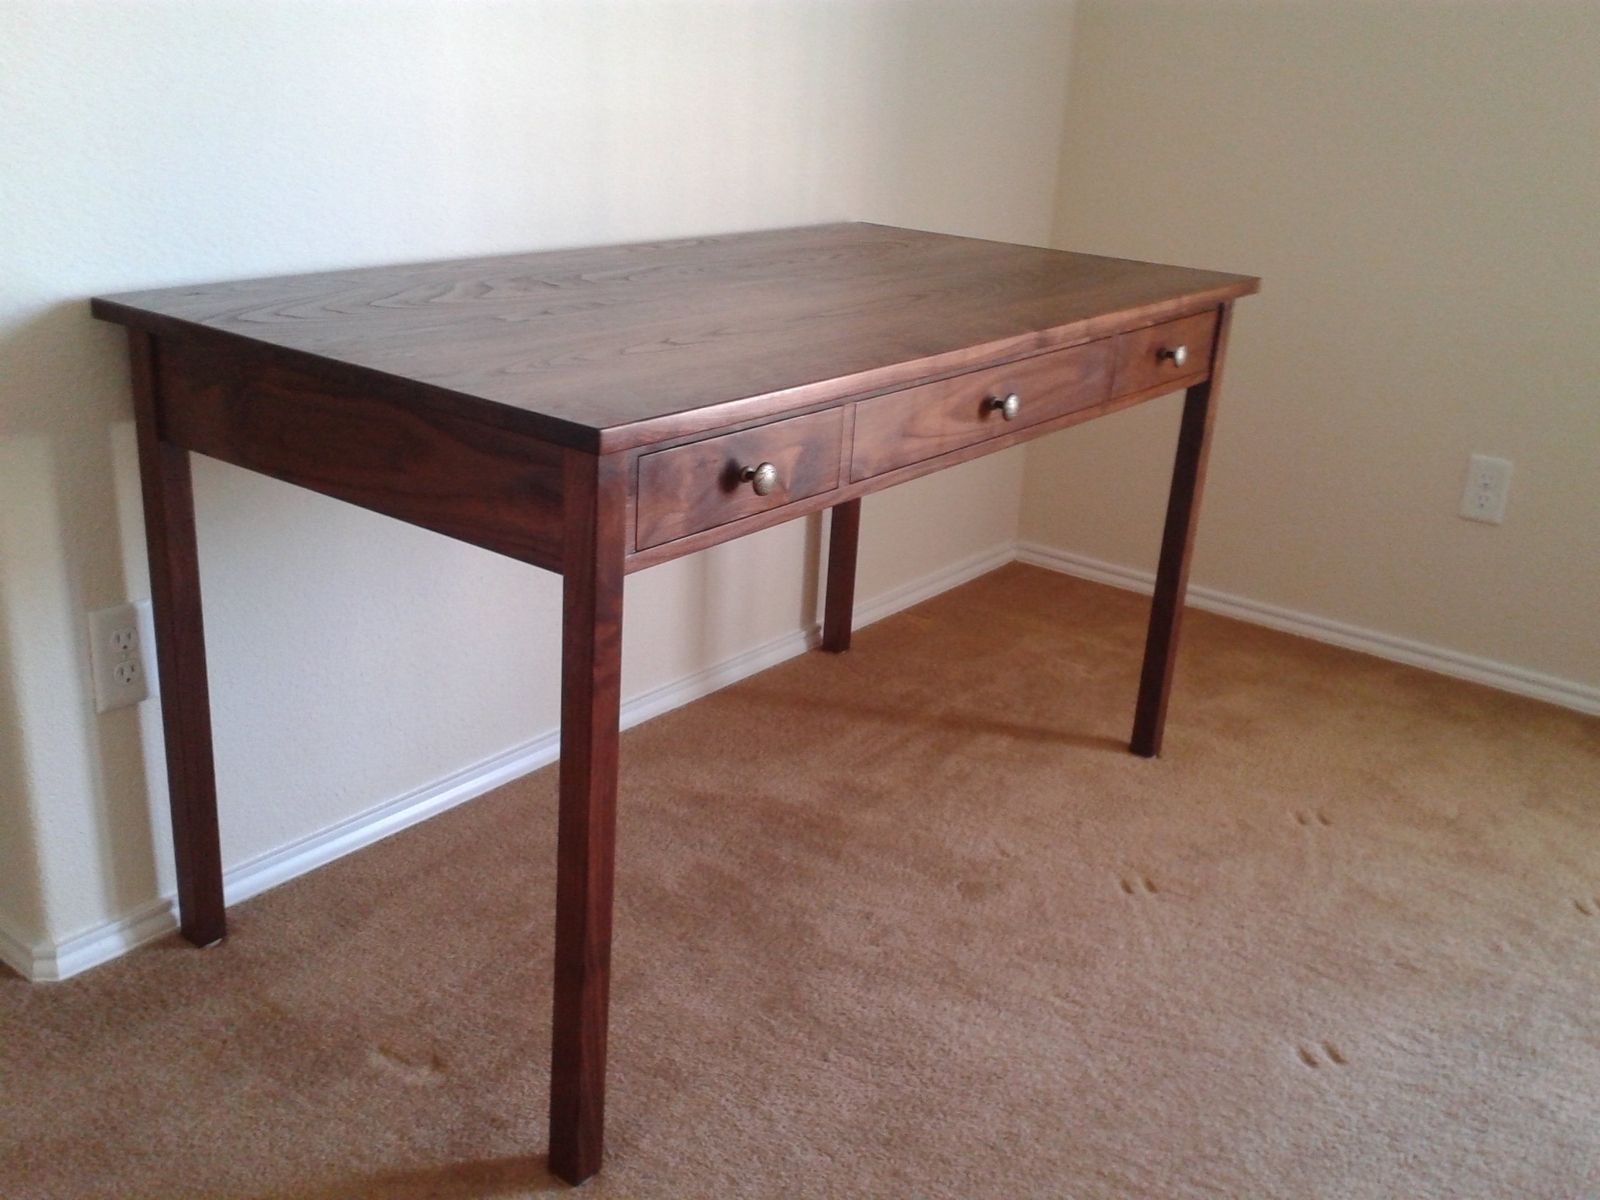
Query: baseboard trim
1552	689
111	939
53	962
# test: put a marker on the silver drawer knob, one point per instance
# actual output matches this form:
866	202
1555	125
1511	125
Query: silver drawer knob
762	478
1008	406
1178	354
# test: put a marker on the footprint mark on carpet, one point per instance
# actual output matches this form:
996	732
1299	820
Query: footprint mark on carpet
1313	817
1587	907
425	1068
1312	1058
1136	885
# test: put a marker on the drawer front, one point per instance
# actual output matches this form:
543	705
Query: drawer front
701	485
904	427
1148	358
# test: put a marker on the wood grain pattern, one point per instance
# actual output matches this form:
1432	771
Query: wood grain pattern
568	408
699	486
1071	404
168	495
495	489
621	346
923	422
1140	366
1177	546
848	490
591	696
844	535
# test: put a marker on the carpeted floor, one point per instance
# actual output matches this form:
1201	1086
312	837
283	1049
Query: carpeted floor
912	922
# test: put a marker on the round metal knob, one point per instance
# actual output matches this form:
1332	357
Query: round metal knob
1008	406
1178	354
762	478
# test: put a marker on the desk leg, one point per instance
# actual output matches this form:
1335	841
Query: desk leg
844	531
180	656
591	677
1177	542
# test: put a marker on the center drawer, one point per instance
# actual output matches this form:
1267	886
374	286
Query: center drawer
706	484
917	423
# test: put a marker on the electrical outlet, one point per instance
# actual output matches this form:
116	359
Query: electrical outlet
1484	497
118	638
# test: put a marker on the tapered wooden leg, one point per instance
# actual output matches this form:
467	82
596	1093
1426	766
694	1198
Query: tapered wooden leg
1177	542
591	679
844	532
180	656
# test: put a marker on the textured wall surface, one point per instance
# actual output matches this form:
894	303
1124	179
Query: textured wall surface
1418	184
353	659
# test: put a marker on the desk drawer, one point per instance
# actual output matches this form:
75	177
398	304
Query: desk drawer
703	485
1149	357
923	422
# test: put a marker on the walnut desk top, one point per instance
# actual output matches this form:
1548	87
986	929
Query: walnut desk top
597	411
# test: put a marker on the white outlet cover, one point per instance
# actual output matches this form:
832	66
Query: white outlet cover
1487	488
120	641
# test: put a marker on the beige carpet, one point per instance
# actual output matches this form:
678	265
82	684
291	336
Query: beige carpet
911	922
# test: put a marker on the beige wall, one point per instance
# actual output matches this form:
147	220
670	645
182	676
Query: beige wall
145	144
1417	183
1419	186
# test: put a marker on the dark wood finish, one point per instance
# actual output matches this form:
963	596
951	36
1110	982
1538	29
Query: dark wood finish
180	654
699	486
591	683
838	609
583	410
1177	544
693	542
495	489
907	426
624	346
1140	365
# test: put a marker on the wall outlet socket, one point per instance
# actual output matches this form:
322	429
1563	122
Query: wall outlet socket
1488	482
120	641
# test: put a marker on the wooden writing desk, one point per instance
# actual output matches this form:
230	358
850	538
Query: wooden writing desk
597	411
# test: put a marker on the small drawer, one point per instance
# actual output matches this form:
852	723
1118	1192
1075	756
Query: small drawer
706	484
1175	353
918	423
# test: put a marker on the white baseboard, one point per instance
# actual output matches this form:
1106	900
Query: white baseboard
50	962
108	940
103	942
1565	692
